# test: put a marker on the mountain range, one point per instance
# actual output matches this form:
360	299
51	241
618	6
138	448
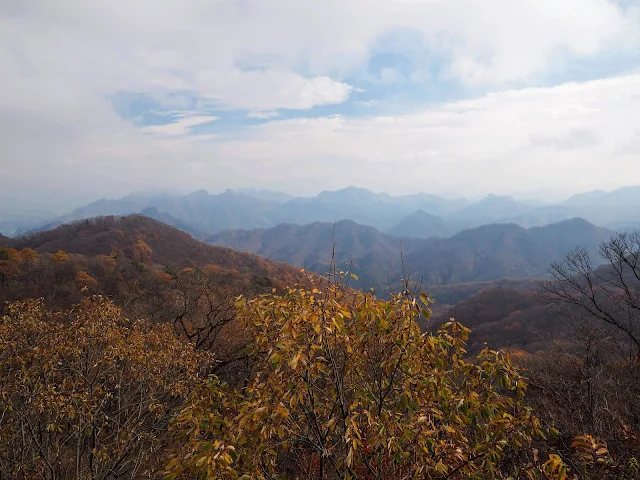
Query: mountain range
419	215
483	253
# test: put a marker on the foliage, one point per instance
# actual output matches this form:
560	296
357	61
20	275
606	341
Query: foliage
88	393
347	386
60	257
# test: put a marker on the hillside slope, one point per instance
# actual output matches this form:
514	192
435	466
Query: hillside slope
169	246
505	318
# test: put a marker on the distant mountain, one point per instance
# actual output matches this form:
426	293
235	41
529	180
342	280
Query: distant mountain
586	198
363	206
417	215
212	213
310	246
198	211
357	204
620	197
480	254
433	204
544	215
617	209
421	224
152	212
491	209
17	219
123	206
501	250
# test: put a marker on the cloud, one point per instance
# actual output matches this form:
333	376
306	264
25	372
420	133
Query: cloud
179	127
471	146
268	90
629	146
261	54
574	138
262	115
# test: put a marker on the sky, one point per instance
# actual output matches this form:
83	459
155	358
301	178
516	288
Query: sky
454	97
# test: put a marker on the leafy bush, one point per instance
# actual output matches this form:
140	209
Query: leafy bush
346	386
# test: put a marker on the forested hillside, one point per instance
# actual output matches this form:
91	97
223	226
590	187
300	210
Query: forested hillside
137	261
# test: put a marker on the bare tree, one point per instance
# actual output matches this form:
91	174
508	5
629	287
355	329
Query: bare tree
590	379
609	293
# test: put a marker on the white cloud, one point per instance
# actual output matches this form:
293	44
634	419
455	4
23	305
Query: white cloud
179	127
267	90
263	115
151	47
470	146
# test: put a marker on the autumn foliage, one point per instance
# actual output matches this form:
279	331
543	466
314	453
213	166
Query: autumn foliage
88	393
347	386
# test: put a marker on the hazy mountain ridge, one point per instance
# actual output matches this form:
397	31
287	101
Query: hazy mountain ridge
419	215
484	253
421	224
310	246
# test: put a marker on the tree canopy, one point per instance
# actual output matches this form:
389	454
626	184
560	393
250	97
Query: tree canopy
347	386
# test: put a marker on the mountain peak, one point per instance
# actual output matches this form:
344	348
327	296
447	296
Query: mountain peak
199	194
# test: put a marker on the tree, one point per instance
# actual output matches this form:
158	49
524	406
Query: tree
88	393
347	386
84	280
610	293
28	255
60	257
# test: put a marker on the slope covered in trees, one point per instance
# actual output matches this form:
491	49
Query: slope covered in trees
168	245
151	269
505	318
375	255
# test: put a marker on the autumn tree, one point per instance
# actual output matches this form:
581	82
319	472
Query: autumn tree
347	386
88	393
60	257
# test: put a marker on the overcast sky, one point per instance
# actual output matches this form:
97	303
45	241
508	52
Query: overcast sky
464	97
